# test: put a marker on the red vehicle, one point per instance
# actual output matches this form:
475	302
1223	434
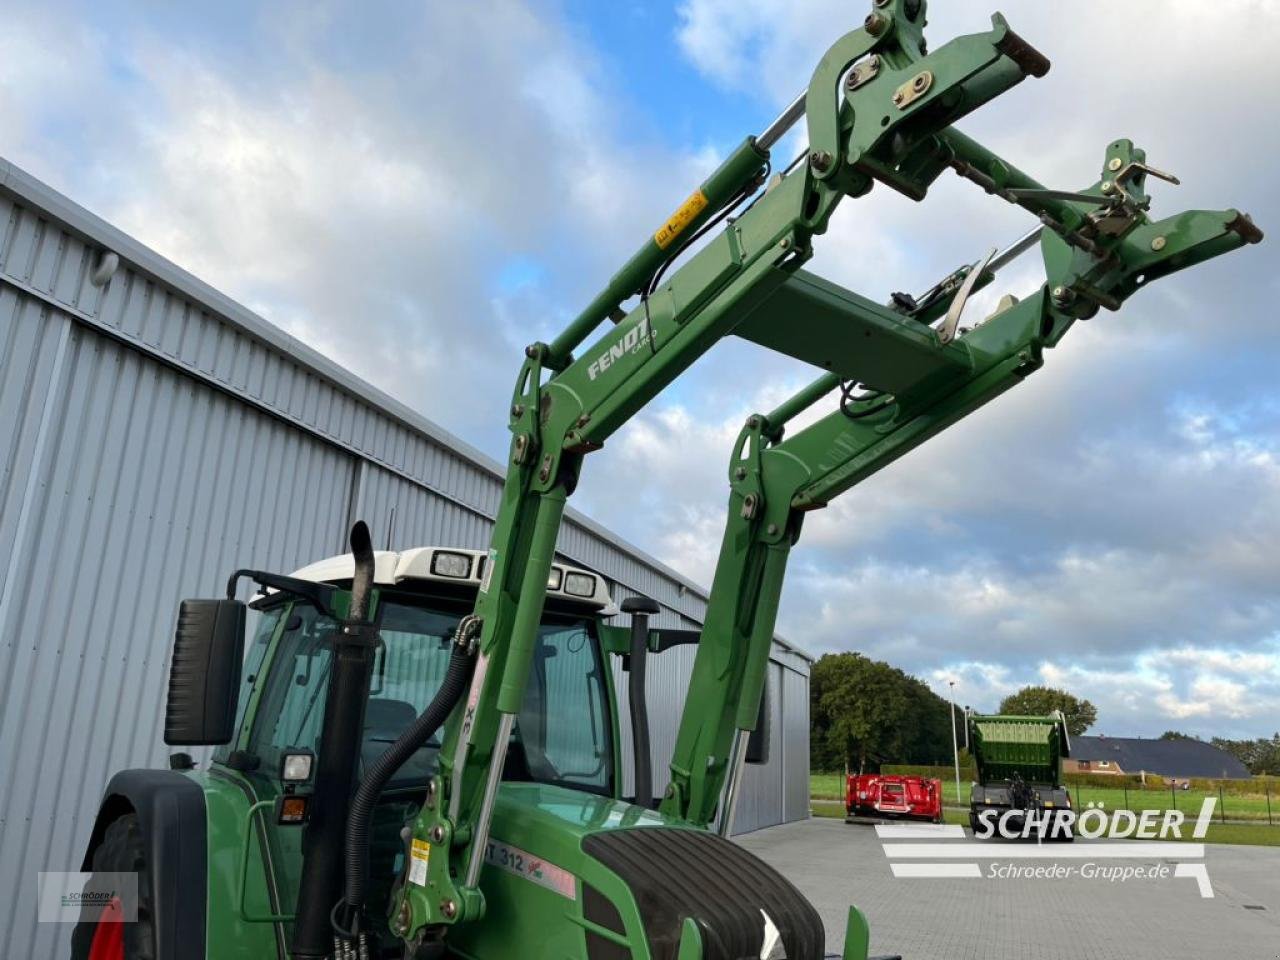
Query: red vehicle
889	797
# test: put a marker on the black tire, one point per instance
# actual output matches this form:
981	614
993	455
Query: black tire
122	850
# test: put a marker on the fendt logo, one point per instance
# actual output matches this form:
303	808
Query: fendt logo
629	342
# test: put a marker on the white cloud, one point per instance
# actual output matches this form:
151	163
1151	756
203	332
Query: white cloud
1121	506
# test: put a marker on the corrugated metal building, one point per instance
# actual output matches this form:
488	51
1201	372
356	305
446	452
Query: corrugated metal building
156	435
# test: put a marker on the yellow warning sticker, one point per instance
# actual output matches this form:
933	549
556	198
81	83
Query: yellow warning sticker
419	857
674	226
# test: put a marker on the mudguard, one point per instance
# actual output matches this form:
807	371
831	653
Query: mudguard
171	811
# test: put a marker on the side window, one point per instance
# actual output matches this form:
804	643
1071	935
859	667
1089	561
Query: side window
264	630
292	709
563	725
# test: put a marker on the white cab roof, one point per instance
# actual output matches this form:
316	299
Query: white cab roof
457	566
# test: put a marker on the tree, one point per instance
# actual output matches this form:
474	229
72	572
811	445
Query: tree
1177	735
1261	756
864	712
1041	701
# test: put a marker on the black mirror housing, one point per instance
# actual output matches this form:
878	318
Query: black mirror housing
204	678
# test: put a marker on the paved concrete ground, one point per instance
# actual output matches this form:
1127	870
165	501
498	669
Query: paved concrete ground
836	864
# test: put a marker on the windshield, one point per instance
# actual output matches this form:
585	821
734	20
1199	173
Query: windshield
562	734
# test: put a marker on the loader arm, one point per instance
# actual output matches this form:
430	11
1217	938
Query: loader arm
916	385
888	120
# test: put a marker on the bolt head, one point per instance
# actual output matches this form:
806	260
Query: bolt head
517	409
1114	164
449	908
531	351
741	473
1158	243
875	24
820	160
1108	186
437	834
772	529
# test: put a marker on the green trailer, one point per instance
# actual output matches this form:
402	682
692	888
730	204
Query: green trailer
1019	769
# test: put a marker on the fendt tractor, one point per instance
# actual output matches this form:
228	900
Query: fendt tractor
1019	790
410	772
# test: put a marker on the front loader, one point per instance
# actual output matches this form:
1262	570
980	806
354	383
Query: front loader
496	857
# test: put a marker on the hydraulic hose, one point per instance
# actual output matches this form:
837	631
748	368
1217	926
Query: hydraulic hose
393	758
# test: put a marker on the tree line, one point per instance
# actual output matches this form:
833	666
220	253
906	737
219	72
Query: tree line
864	712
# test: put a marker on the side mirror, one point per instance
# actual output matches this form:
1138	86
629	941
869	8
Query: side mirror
758	742
204	679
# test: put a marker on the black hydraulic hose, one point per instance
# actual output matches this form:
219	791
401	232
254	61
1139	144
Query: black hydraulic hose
381	770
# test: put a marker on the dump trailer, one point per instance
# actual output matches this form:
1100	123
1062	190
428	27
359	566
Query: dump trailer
873	797
1019	767
458	793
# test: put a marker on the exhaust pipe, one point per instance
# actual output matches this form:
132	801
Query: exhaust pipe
322	863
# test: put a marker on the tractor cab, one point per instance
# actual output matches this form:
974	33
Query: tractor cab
420	597
258	682
565	736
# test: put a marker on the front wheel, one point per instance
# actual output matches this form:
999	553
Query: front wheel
100	934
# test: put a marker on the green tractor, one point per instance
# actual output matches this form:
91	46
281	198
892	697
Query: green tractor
220	851
421	768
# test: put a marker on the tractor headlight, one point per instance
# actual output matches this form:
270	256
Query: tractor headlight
579	584
454	565
295	766
554	578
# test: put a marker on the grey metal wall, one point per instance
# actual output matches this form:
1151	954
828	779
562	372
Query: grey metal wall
155	435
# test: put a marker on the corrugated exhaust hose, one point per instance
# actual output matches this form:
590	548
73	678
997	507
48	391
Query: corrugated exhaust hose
393	758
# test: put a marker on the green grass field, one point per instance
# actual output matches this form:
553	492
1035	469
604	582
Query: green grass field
830	786
1255	834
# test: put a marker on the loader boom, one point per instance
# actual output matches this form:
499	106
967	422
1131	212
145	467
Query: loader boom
774	480
879	108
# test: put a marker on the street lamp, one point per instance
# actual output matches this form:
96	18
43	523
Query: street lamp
955	744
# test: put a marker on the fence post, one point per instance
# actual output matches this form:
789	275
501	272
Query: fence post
1126	795
1173	795
1222	805
1267	785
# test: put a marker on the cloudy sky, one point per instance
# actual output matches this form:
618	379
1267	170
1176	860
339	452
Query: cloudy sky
418	190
